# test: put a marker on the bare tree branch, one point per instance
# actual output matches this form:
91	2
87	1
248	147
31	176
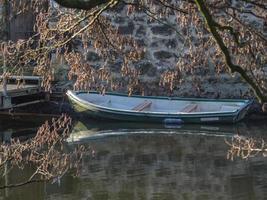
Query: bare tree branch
81	4
233	67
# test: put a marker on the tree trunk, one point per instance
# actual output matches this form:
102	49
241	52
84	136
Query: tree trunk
233	67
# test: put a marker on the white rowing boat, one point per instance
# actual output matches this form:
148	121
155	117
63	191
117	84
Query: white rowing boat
158	109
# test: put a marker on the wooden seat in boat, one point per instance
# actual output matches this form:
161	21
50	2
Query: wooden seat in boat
189	108
145	104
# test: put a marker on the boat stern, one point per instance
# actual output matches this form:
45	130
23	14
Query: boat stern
243	111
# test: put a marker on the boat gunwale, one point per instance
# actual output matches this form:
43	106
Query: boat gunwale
163	97
74	95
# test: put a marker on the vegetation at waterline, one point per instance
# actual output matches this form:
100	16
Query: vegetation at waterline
228	34
246	147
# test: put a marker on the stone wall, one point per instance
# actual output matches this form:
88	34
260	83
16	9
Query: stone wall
13	27
163	45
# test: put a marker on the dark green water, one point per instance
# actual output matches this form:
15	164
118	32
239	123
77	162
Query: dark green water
133	161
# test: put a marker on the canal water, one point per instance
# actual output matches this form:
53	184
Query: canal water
149	162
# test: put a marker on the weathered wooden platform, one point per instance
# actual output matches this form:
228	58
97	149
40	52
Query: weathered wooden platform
14	90
15	95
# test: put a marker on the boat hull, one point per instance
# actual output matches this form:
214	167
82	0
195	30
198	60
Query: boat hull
101	113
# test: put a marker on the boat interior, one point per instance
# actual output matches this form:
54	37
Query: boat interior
138	104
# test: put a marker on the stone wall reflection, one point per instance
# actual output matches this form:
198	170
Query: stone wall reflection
169	167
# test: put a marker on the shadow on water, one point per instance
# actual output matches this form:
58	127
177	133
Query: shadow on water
19	126
141	161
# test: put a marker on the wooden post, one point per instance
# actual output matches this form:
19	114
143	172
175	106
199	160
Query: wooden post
47	96
5	20
6	179
6	139
4	75
264	107
4	86
5	14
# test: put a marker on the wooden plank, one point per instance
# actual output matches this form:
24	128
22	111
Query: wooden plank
37	78
28	114
13	91
189	108
13	87
142	105
28	103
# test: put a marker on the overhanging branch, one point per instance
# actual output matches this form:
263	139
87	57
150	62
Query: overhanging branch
233	67
81	4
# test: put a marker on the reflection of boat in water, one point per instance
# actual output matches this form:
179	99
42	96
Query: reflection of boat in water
85	129
154	166
147	162
158	109
158	163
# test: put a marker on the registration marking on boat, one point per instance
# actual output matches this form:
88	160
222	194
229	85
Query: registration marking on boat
209	119
173	121
212	128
